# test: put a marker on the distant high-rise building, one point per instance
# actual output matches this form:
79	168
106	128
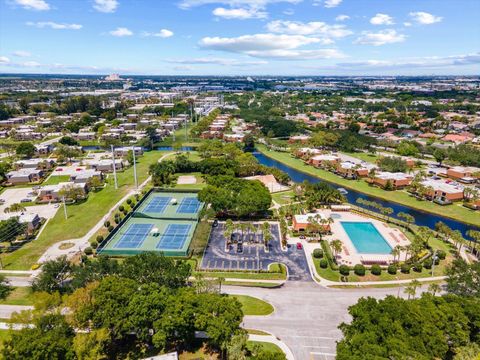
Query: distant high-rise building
113	77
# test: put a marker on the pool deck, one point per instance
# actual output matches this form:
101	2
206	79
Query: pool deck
349	255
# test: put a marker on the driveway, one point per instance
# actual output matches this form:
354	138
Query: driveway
253	256
307	316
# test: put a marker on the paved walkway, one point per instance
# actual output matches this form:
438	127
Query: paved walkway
6	311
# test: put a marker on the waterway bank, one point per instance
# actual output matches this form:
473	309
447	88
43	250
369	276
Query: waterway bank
425	213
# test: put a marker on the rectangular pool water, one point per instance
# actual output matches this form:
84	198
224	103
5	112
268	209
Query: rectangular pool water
366	238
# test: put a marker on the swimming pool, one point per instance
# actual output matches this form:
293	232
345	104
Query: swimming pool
366	238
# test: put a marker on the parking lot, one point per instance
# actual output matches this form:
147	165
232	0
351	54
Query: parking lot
253	255
16	195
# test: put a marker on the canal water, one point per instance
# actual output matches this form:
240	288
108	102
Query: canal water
421	218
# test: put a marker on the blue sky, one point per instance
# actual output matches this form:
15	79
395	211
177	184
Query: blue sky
240	37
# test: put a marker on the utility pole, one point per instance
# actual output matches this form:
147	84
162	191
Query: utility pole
64	207
114	168
135	168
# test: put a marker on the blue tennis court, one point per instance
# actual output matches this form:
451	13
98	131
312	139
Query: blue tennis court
157	204
189	205
134	236
174	237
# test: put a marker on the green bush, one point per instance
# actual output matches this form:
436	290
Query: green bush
417	267
392	269
376	269
427	264
107	224
344	270
318	253
99	238
88	251
121	208
94	244
405	268
437	260
129	201
110	228
359	270
441	254
323	263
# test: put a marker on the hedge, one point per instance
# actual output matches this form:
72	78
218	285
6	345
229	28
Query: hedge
359	270
376	269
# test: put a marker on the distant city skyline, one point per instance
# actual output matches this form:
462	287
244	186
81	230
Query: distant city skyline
240	37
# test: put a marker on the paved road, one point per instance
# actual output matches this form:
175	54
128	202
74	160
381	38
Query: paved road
6	311
306	315
254	256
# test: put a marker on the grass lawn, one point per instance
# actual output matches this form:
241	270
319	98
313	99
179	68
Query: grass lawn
371	158
82	216
439	269
251	284
19	296
283	197
54	180
254	306
266	347
455	211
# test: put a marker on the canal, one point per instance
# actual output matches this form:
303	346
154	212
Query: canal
421	218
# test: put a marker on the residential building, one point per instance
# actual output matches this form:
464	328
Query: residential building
398	180
467	175
24	176
302	222
53	193
442	191
324	160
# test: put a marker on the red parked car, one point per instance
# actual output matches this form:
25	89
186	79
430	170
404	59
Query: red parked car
299	246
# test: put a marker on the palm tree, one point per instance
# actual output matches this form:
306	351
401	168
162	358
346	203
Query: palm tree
336	246
396	252
434	288
16	207
411	289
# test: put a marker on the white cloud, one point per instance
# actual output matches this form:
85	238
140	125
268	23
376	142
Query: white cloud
163	33
289	12
425	18
31	64
186	4
39	5
4	60
324	33
381	19
332	3
121	32
217	61
407	24
342	17
424	62
240	13
388	36
183	68
21	53
106	6
55	25
270	46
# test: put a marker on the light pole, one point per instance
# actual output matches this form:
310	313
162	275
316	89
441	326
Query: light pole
64	207
434	257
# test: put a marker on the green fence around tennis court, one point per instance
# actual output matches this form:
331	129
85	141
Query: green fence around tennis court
107	247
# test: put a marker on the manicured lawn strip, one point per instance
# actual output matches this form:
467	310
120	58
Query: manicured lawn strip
56	179
256	332
265	346
254	306
19	296
244	275
455	211
251	284
81	217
